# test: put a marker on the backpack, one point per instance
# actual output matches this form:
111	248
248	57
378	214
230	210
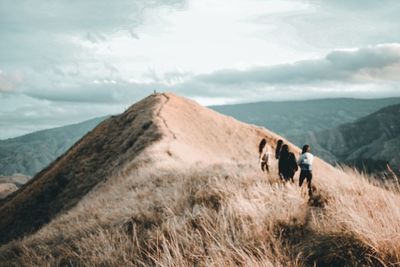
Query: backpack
293	162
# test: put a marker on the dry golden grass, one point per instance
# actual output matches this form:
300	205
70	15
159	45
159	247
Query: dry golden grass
219	216
196	197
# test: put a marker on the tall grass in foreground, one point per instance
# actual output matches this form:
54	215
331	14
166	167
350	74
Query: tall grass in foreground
220	216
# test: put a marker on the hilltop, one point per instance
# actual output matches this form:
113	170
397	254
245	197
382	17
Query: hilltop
30	153
172	183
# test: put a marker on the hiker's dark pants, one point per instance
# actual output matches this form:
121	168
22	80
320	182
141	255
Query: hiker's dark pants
304	174
264	166
287	176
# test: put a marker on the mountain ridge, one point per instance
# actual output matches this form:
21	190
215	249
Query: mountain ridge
172	183
294	118
327	99
58	185
369	143
46	195
23	155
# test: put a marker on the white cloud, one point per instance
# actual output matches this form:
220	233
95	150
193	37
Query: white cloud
64	54
368	71
378	63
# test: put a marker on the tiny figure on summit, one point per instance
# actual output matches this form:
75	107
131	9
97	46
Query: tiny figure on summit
264	155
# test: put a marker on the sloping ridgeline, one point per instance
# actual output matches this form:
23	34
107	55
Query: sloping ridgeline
369	143
89	162
172	183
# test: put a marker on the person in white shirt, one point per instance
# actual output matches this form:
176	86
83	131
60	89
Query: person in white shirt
306	162
264	155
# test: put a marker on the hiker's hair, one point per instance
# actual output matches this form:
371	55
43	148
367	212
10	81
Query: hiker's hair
285	147
262	145
306	148
285	150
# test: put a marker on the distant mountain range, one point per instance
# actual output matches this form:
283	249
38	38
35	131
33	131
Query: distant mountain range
292	119
30	153
369	143
296	120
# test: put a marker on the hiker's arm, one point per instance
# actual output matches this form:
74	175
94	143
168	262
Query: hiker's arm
299	161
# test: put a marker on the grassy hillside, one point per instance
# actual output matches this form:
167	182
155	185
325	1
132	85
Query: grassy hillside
219	216
192	195
30	153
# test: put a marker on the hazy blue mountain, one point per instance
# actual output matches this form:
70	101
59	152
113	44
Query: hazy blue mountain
368	143
28	154
294	118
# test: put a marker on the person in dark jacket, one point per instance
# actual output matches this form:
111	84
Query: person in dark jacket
287	164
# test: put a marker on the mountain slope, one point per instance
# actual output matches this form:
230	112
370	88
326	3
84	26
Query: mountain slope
294	118
30	153
172	183
113	146
369	143
64	182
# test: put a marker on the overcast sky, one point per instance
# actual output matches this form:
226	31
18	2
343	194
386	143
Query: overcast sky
65	61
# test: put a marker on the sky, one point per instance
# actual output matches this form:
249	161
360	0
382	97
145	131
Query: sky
65	61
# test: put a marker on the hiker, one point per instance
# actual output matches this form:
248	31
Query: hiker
305	162
278	148
287	164
264	155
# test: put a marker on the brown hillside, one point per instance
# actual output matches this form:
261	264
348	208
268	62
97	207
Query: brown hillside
190	134
172	183
97	156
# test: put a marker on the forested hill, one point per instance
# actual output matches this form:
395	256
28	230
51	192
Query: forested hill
28	154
